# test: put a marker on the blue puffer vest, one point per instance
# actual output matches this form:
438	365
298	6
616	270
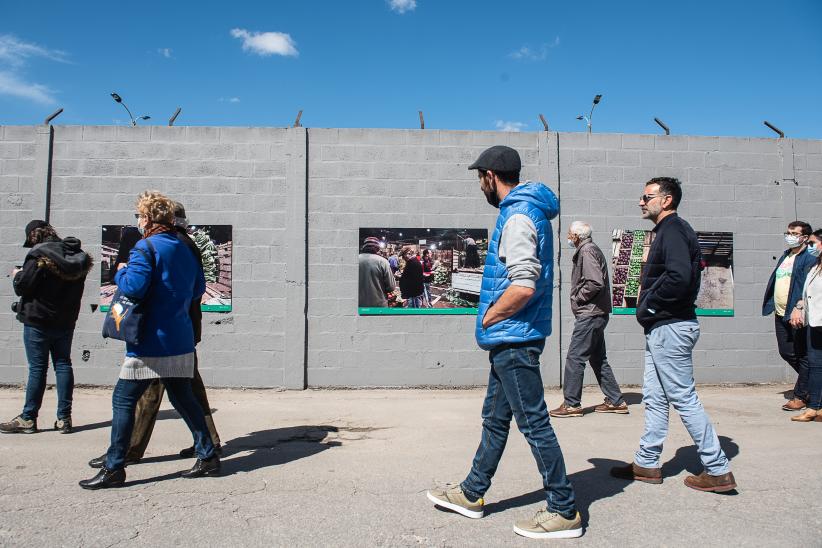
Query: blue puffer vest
533	322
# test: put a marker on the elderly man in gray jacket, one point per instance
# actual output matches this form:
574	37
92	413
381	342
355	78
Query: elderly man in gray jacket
591	305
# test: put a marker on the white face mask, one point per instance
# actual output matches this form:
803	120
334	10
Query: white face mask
793	241
571	243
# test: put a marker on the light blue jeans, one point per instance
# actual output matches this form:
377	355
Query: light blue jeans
669	380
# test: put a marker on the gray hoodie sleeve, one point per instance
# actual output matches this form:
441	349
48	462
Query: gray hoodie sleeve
518	249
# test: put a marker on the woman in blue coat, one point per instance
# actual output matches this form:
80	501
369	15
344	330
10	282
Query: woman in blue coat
164	273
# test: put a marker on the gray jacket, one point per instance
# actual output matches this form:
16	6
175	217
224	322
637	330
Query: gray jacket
590	289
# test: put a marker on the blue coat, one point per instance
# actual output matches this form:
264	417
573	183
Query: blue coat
801	266
169	287
533	321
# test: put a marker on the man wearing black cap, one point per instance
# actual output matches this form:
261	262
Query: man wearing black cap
513	321
50	286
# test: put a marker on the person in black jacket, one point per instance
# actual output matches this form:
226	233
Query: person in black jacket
411	281
667	311
50	286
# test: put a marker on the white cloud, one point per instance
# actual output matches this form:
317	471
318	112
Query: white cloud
14	85
502	125
165	52
229	99
267	43
15	52
530	54
401	6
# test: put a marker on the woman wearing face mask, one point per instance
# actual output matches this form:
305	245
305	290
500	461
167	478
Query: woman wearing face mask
783	291
165	274
808	312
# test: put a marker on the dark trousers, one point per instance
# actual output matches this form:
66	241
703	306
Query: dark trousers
124	401
40	342
792	345
515	390
815	367
588	345
149	405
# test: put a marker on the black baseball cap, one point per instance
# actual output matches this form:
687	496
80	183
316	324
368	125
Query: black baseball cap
498	158
31	227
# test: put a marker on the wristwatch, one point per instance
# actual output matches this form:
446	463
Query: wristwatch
800	306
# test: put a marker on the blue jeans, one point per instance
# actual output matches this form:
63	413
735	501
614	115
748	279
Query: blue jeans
669	380
124	401
814	367
515	389
39	343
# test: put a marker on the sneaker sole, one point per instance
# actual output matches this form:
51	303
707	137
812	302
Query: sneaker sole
568	533
615	411
473	514
27	431
567	416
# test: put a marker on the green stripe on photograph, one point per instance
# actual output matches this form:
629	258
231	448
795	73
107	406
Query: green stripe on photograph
417	311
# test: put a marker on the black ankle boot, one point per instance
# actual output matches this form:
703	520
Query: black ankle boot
207	467
105	478
189	452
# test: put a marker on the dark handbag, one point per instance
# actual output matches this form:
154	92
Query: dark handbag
124	319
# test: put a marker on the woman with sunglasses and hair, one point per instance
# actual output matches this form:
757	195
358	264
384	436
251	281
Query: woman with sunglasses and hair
808	312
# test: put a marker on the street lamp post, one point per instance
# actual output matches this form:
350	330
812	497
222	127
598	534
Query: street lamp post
119	99
590	116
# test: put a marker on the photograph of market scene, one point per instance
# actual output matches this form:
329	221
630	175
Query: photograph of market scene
421	270
716	290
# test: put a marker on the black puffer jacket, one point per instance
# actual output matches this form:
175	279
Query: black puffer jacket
51	284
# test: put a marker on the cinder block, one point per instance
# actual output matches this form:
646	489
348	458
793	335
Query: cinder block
9	151
104	133
703	143
640	142
608	141
23	134
170	134
130	134
589	157
626	158
572	141
656	159
688	159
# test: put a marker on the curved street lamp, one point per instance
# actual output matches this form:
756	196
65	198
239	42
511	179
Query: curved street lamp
590	116
119	99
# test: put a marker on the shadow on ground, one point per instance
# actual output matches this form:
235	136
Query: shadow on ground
268	448
163	414
596	483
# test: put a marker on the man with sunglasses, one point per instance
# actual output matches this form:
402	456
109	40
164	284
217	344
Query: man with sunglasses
782	296
667	311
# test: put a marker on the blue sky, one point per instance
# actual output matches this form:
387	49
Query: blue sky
705	68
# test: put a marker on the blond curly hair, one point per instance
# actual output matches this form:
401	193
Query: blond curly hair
156	207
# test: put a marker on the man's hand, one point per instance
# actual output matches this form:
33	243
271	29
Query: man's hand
511	302
797	318
121	266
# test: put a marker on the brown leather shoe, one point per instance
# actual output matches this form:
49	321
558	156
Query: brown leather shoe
564	411
608	407
809	415
635	472
794	405
707	482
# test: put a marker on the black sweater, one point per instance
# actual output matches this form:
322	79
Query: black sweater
51	284
671	277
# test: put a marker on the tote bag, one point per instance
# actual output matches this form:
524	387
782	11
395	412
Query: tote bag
124	319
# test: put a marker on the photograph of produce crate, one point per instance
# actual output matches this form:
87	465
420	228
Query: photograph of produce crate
632	287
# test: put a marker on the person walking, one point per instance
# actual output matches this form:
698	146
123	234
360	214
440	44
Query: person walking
513	321
783	291
808	313
166	275
591	306
411	281
148	406
375	275
427	277
667	311
50	286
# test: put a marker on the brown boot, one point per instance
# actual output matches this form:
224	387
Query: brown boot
635	472
794	404
707	482
809	415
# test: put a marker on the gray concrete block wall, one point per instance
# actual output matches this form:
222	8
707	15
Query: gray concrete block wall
255	179
392	178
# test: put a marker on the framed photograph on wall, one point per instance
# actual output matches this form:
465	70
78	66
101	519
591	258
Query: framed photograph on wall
716	291
213	241
420	270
